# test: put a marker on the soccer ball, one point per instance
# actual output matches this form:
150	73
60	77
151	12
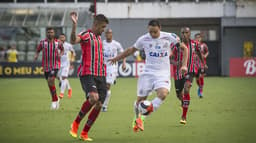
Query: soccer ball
145	107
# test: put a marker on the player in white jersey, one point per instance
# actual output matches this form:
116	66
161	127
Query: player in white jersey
156	76
111	49
65	65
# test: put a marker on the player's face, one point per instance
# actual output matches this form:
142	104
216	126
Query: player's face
198	38
154	31
62	38
50	34
108	36
100	26
185	34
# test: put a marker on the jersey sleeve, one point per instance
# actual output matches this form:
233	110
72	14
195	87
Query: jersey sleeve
40	46
139	43
119	47
174	39
206	48
84	35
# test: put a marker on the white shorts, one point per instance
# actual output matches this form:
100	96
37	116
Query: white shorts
63	72
148	83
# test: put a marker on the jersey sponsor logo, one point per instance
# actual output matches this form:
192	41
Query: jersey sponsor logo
158	54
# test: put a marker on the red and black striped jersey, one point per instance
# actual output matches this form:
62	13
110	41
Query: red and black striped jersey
51	54
92	55
192	48
203	49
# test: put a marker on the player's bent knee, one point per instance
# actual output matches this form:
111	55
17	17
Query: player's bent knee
93	97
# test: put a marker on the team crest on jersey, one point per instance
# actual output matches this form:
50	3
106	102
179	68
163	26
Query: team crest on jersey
157	47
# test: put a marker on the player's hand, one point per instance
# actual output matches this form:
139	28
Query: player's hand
112	61
124	67
205	66
183	69
35	57
74	17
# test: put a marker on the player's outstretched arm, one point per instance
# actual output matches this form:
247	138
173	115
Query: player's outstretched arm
126	53
74	39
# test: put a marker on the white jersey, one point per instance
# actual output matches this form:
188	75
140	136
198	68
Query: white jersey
157	52
110	51
65	58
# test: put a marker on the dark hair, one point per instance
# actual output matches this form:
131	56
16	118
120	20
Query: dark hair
197	34
49	28
62	34
154	22
100	18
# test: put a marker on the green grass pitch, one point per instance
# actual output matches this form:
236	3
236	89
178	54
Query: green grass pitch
226	115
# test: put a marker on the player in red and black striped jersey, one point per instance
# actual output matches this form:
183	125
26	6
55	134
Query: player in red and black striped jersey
50	48
192	50
92	72
179	78
202	66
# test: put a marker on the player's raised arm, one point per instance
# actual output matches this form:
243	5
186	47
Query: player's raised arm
74	39
127	52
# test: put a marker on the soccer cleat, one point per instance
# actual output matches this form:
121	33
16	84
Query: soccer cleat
183	121
140	123
84	136
104	109
199	93
55	105
61	95
70	93
73	130
134	125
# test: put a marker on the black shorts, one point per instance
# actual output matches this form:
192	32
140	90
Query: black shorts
179	85
200	71
97	84
52	73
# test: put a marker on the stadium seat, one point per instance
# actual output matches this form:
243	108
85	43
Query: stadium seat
21	56
22	45
31	46
30	56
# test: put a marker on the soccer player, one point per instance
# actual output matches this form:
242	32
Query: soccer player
92	72
156	75
192	50
201	66
50	62
64	67
179	78
111	49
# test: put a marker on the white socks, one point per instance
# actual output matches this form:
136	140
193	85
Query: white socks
107	99
156	103
63	86
69	87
